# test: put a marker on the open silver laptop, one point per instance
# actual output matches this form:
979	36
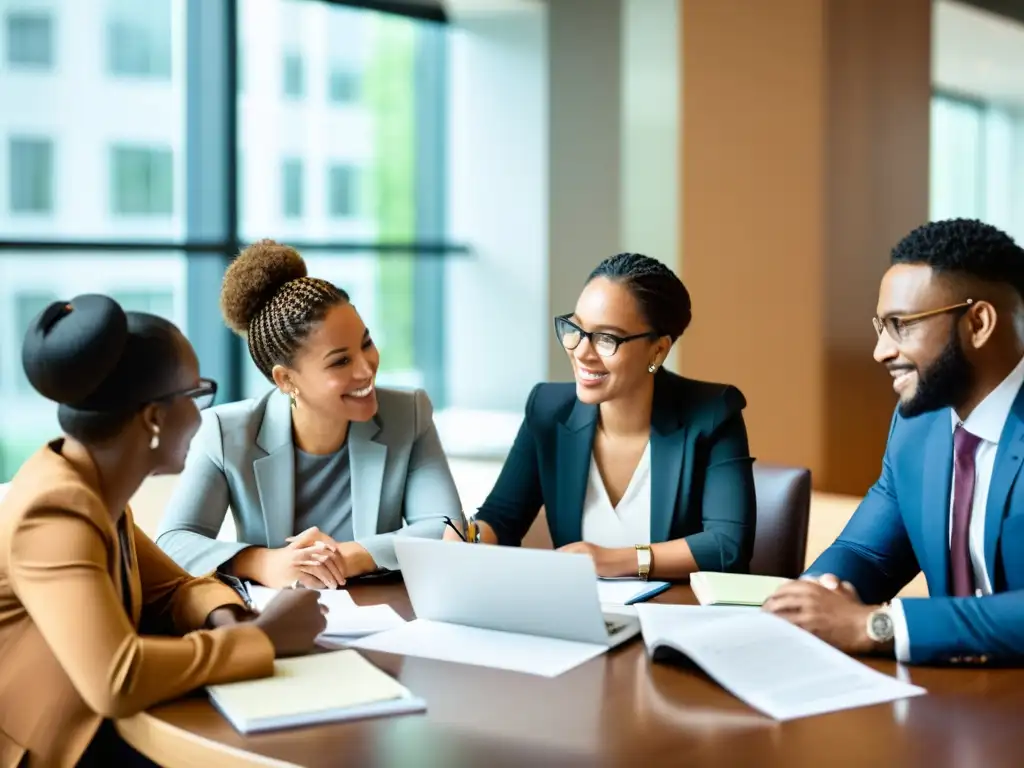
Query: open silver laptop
530	591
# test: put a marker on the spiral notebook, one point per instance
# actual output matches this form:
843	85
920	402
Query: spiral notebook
309	690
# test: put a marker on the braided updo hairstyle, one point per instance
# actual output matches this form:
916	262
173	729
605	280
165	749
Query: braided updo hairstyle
269	299
663	299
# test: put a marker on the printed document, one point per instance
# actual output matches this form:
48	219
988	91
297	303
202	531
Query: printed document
765	661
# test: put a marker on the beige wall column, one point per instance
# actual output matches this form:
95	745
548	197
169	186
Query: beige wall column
804	159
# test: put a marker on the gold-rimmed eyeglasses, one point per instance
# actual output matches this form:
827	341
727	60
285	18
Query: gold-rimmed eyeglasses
896	325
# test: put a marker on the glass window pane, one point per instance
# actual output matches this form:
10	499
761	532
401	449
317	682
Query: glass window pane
141	181
355	109
381	288
293	75
120	83
30	161
30	39
148	282
957	160
139	38
291	188
343	191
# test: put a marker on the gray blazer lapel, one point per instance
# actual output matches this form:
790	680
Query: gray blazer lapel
366	460
275	472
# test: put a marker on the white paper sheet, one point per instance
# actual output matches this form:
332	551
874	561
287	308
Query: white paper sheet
528	654
622	591
767	662
344	617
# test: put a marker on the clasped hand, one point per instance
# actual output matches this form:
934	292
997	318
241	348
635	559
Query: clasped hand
827	608
318	562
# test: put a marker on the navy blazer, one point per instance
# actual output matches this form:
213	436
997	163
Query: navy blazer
702	485
902	527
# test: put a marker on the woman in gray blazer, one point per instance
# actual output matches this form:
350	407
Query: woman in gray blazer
321	473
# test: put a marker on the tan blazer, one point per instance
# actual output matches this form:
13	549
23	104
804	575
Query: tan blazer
70	655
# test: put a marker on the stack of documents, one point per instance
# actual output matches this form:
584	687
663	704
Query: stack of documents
712	588
345	619
628	591
772	665
322	688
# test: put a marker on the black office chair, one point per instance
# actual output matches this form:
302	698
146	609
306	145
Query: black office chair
783	515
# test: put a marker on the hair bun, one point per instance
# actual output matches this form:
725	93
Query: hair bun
254	278
72	347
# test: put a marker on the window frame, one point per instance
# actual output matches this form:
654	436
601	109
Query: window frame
211	193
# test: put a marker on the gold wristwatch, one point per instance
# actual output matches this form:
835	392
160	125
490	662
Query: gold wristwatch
643	561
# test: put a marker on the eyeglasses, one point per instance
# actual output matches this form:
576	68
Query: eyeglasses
896	325
472	533
605	344
203	395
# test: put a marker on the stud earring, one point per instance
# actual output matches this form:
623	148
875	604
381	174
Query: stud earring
154	441
294	397
653	367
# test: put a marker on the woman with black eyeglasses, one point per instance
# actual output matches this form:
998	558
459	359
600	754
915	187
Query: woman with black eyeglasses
79	581
647	472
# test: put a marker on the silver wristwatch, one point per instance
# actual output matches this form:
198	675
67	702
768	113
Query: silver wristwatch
880	627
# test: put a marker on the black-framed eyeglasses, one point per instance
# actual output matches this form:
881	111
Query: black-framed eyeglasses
605	344
204	394
451	524
896	325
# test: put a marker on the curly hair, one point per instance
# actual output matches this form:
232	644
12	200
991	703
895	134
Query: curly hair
663	299
965	246
269	299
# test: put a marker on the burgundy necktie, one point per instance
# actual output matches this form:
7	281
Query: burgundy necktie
964	446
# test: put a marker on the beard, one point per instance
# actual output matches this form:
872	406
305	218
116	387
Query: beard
944	384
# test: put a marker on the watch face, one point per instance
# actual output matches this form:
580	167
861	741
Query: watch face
881	626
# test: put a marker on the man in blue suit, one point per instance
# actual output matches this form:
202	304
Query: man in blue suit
950	499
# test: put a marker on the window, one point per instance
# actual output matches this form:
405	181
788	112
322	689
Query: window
31	175
294	84
343	86
291	188
342	191
141	181
27	306
977	155
123	144
139	38
30	39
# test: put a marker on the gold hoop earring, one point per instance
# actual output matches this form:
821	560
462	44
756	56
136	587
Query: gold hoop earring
154	441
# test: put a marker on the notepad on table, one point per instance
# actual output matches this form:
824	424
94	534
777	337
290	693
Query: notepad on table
712	588
321	688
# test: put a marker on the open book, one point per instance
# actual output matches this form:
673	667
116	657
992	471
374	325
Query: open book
765	661
712	588
321	688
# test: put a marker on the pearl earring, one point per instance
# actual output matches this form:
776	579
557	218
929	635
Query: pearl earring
154	441
653	367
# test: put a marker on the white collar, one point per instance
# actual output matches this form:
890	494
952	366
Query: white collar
989	416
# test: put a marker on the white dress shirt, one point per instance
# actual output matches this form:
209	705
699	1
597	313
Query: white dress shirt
985	421
629	522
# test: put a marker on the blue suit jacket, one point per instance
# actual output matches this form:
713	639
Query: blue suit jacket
902	527
702	485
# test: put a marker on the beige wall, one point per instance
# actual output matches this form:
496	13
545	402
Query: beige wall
804	158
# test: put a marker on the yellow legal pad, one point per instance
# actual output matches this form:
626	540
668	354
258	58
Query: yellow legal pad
320	688
712	588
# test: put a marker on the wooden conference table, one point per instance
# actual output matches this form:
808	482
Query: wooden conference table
618	709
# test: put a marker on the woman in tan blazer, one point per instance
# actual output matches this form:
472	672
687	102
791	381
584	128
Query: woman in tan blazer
78	578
